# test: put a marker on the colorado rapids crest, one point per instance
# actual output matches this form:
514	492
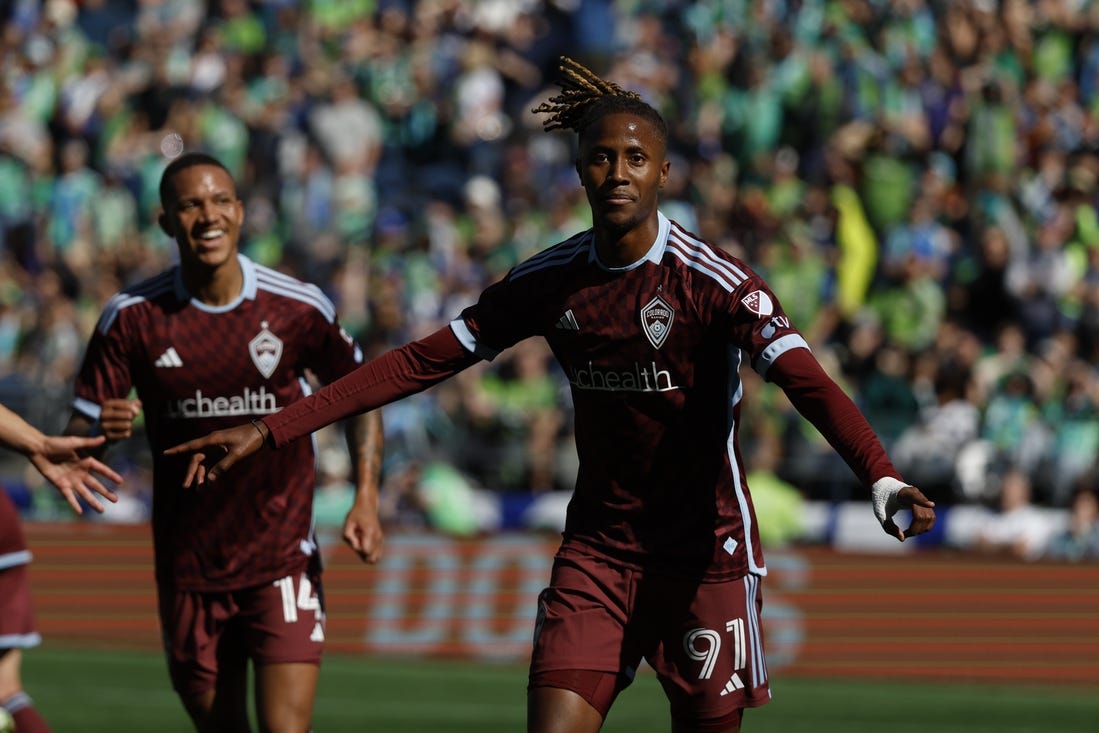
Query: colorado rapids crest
266	350
656	321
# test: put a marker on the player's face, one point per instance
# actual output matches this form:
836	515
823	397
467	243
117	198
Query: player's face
204	216
622	165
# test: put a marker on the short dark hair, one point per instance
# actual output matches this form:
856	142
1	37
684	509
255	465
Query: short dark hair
585	99
187	160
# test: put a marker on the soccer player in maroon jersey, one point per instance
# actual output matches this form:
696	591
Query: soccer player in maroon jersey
660	558
58	460
207	343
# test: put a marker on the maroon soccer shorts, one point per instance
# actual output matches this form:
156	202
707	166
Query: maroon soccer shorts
276	623
17	629
703	640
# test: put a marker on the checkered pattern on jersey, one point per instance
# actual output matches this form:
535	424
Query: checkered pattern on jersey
199	369
652	352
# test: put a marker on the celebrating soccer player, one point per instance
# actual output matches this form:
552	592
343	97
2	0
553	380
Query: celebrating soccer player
207	343
660	558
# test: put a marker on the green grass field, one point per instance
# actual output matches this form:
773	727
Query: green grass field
89	691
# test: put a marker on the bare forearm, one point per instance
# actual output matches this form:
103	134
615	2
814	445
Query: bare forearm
18	435
362	529
366	444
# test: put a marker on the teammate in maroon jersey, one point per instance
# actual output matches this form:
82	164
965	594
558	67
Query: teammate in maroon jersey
660	558
207	343
74	475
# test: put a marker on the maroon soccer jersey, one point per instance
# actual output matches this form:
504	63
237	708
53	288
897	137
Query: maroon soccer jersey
199	368
17	627
13	546
652	352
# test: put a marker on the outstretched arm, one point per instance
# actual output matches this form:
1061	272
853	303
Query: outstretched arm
60	461
392	376
820	400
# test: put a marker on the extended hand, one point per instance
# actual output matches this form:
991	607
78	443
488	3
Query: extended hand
60	461
216	453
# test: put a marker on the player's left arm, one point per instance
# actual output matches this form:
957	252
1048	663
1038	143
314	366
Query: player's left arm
820	400
339	354
362	530
100	389
757	323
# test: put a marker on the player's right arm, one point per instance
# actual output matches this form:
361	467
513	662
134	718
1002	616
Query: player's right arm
392	376
115	423
99	389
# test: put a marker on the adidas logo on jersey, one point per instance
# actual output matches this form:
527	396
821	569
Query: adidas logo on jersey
169	359
568	322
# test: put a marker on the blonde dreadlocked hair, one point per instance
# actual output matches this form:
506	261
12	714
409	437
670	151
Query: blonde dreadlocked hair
585	98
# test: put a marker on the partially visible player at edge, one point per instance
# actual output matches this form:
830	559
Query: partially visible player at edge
60	462
207	343
660	558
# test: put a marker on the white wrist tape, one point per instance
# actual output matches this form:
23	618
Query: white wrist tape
883	494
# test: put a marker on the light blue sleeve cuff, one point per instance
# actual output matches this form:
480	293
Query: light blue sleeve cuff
777	349
87	408
465	337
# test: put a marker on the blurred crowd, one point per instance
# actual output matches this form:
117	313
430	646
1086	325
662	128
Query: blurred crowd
916	179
